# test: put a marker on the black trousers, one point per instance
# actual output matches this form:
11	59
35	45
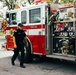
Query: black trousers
19	48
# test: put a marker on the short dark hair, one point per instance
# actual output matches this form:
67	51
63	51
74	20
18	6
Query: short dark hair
20	24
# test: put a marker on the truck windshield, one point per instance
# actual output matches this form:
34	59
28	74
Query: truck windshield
35	15
13	19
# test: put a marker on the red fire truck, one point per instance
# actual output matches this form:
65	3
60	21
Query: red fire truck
52	37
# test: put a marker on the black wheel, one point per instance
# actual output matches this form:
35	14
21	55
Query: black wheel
28	56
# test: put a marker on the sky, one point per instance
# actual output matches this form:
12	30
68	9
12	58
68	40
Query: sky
1	4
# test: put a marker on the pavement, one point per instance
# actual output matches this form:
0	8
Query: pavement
49	67
5	53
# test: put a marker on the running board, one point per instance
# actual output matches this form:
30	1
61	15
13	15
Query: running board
70	58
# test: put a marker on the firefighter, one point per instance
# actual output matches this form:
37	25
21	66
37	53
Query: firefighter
19	37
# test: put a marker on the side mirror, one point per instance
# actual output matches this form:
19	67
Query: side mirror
7	15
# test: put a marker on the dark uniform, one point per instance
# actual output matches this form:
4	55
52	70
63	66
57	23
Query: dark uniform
19	36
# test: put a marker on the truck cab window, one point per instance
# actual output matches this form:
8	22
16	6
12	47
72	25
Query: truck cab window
35	15
23	17
13	19
7	17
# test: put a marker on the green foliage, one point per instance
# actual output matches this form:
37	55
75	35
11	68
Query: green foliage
1	15
9	3
68	1
62	1
51	1
30	1
12	3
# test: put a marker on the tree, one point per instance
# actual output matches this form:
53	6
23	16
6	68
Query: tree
30	1
61	1
67	1
9	3
13	3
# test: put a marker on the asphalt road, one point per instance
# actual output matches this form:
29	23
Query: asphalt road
37	67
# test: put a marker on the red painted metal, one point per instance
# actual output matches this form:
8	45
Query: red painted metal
37	1
38	43
14	28
9	41
66	6
61	25
25	27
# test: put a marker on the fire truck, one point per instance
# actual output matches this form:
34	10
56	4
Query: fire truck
49	34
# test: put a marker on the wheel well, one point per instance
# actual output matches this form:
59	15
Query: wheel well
30	45
28	54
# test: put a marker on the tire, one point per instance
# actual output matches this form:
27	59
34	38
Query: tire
28	56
